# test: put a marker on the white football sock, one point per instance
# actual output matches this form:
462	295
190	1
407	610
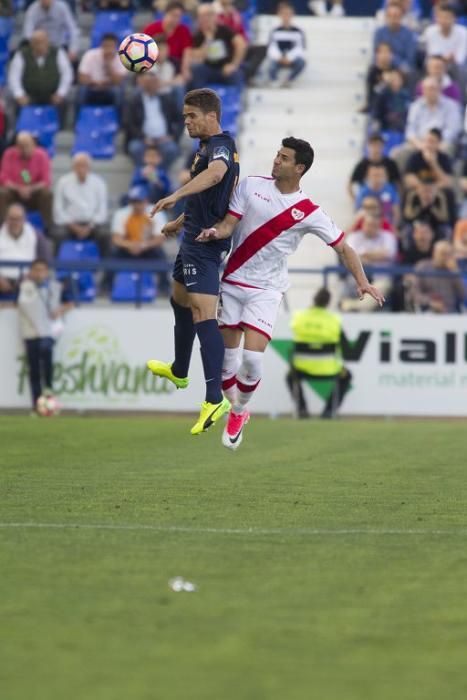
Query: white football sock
248	378
229	370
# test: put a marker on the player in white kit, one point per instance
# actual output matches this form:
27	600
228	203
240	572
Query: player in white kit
268	217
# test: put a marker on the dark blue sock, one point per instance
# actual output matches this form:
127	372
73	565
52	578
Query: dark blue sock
212	354
184	336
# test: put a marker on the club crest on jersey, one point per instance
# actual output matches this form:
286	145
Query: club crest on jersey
221	152
297	214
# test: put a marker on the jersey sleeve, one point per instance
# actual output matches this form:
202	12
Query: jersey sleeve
321	225
238	200
221	149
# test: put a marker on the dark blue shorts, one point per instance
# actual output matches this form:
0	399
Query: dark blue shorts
197	266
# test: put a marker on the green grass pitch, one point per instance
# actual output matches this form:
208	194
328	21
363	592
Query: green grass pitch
331	560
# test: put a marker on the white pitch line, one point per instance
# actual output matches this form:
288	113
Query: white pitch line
312	532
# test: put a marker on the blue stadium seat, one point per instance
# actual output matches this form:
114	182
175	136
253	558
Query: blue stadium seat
35	218
82	283
96	128
133	287
42	122
118	23
104	119
391	140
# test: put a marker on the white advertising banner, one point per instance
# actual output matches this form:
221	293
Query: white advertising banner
401	364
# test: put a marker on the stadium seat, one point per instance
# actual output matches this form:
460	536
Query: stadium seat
96	128
42	122
104	119
82	285
391	140
133	287
35	219
118	23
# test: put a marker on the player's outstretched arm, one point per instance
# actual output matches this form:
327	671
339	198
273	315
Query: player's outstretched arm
223	229
173	228
206	179
352	262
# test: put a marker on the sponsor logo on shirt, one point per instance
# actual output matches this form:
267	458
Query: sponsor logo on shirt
221	152
261	196
297	214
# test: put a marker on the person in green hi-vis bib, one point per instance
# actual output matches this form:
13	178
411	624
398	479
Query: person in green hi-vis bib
316	355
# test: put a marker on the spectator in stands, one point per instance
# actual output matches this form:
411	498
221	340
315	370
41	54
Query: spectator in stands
80	204
402	40
229	16
25	177
375	151
439	294
411	14
178	35
436	67
152	119
370	205
445	37
286	47
431	111
151	175
40	74
101	74
40	311
383	61
428	202
376	184
217	53
391	103
429	163
136	235
375	247
419	244
19	241
171	81
460	239
56	19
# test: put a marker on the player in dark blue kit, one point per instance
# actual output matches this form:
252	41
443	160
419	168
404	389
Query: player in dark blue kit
214	174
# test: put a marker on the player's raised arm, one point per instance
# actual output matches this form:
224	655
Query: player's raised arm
352	262
223	229
206	179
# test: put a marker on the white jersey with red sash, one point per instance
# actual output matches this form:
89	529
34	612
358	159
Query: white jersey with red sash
270	228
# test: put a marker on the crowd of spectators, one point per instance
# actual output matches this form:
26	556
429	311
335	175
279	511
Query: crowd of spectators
409	187
200	43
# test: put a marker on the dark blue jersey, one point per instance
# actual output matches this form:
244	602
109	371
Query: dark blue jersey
205	209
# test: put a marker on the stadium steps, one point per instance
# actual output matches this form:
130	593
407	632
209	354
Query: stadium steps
322	107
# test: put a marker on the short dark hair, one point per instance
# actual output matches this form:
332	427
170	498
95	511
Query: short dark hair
436	132
204	99
304	154
373	138
322	298
448	7
39	261
175	6
109	37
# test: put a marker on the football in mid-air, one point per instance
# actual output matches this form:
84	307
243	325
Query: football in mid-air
138	52
47	406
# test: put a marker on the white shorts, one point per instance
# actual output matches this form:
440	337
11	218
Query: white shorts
248	307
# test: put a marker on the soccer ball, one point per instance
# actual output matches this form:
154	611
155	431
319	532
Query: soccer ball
138	52
47	406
